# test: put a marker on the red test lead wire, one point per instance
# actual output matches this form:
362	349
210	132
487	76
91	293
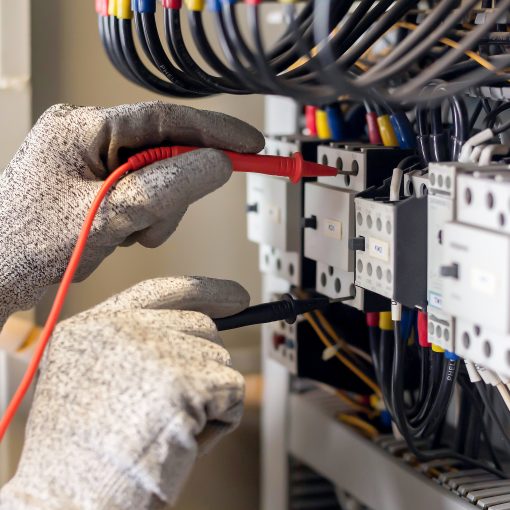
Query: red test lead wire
294	168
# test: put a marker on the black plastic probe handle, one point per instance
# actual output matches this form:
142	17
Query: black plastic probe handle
287	310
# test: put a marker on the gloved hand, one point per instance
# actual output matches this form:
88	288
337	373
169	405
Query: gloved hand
47	189
129	392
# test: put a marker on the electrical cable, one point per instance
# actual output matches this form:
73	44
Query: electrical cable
355	370
278	85
124	30
147	30
355	406
336	338
175	41
492	117
105	36
480	387
363	426
245	75
478	406
206	51
398	415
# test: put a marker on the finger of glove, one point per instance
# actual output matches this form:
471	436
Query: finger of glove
194	324
157	234
155	123
160	192
210	296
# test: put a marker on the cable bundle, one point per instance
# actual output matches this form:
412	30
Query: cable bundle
365	49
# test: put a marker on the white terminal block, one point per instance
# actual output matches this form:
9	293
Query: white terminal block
478	288
440	211
374	265
280	147
327	242
484	200
274	212
483	345
285	265
443	200
335	283
333	211
354	160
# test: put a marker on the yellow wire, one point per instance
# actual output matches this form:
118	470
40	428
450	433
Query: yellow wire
343	344
354	405
453	44
353	368
365	427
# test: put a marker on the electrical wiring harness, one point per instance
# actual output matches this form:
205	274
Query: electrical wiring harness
367	49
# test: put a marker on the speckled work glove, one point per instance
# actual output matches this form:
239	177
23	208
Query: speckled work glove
48	187
130	391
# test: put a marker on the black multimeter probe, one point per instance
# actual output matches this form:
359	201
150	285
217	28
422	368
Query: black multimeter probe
287	309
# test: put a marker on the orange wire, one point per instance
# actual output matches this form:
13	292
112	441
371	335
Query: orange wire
56	309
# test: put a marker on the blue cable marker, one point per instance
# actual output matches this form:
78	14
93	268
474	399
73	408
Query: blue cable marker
144	6
406	323
214	5
403	130
336	122
451	356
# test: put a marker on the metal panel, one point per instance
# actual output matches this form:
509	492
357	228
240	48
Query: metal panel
371	475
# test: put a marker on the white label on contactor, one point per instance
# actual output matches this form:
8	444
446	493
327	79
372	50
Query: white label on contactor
273	211
378	249
435	300
332	228
483	281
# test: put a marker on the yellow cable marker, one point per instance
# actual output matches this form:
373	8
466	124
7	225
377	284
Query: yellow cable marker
385	322
436	348
386	129
195	5
112	7
123	10
321	119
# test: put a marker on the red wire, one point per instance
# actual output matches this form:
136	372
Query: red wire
56	309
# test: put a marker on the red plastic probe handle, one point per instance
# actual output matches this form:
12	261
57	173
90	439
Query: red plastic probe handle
295	167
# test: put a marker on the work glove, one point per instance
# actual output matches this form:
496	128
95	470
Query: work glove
129	393
47	189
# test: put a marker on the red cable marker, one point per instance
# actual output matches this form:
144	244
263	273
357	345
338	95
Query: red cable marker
294	168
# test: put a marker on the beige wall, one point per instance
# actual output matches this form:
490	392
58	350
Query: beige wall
69	65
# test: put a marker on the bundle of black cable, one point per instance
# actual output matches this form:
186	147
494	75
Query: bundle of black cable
425	419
